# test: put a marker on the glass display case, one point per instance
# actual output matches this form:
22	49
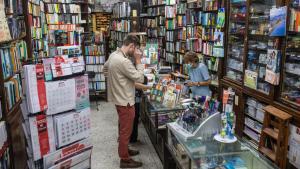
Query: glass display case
204	154
291	74
259	42
236	37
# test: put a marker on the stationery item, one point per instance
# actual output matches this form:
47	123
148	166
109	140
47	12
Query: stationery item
53	158
35	88
81	160
278	21
72	127
60	96
42	135
82	92
273	67
60	67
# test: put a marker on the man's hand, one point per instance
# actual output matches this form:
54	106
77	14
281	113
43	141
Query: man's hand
137	56
190	84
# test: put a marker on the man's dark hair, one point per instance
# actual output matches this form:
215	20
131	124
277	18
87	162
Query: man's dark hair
131	39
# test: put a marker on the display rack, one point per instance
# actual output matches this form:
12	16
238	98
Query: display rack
120	24
154	21
13	51
250	43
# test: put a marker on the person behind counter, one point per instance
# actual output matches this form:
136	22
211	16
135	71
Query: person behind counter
139	87
198	75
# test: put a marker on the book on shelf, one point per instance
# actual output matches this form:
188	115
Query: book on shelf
170	2
35	88
181	21
294	20
210	5
95	59
1	113
42	135
208	19
13	91
170	11
121	10
17	27
13	7
171	24
92	50
193	17
221	18
11	58
194	45
62	8
98	86
64	38
273	67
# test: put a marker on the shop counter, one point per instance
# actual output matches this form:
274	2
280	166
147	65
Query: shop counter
211	154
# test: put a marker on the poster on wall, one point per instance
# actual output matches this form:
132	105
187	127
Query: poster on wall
278	21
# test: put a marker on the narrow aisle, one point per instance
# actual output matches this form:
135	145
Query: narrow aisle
104	139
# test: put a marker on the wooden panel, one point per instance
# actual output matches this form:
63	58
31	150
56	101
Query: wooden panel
17	138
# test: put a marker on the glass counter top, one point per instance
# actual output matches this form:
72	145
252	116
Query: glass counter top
211	149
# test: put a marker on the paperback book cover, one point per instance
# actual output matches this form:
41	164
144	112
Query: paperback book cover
278	21
218	39
250	79
221	18
273	67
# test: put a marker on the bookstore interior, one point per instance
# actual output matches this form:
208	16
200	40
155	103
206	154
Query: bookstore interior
222	80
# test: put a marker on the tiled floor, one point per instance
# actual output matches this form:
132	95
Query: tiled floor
104	139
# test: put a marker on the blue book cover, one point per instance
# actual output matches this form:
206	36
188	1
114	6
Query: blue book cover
278	21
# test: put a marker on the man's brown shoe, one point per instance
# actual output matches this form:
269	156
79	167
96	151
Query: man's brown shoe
133	152
130	164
